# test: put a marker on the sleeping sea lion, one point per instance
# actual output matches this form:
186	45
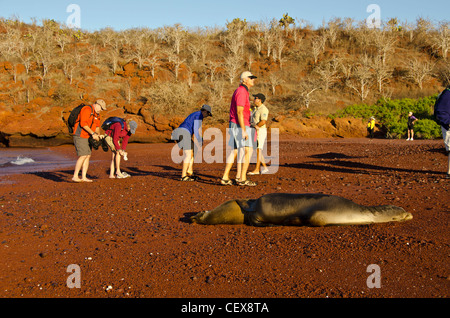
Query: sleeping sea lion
300	210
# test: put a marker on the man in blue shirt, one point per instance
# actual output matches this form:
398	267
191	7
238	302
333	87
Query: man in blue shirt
442	115
191	126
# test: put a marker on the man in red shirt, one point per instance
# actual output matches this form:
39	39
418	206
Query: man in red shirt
87	125
117	140
240	132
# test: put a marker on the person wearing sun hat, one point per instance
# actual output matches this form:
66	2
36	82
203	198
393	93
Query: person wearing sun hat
371	127
183	136
86	126
240	132
116	137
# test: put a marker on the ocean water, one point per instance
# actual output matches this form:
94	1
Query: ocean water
29	160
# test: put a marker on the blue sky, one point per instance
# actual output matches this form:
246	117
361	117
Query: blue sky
126	14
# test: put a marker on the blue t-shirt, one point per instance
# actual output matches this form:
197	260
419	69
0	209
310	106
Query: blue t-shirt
192	123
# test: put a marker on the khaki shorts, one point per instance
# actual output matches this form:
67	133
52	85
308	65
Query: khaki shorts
110	143
82	146
262	135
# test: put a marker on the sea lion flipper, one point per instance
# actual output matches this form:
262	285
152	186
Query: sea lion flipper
229	212
197	217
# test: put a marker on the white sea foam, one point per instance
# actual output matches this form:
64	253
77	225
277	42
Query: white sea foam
27	160
19	161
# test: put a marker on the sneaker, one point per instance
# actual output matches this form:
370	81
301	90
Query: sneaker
265	171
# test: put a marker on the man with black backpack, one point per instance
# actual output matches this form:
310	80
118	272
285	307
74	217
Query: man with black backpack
87	125
442	117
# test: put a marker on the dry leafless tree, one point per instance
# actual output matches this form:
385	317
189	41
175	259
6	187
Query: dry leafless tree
441	40
328	73
418	71
361	78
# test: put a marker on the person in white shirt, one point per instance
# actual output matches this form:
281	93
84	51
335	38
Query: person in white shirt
259	120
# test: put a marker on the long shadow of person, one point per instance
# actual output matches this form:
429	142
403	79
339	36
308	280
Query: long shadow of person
56	176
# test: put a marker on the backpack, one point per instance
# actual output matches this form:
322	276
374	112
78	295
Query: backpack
112	120
73	117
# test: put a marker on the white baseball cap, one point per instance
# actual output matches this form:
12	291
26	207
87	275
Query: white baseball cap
247	74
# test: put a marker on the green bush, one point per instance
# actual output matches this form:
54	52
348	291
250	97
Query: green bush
392	116
427	129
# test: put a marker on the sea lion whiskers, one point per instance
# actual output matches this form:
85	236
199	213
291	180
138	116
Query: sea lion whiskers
390	212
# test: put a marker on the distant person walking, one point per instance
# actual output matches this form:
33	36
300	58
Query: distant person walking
371	127
442	115
240	132
183	135
411	122
259	120
87	125
117	136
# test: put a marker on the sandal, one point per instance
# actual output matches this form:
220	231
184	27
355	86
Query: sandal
194	177
226	182
247	183
187	178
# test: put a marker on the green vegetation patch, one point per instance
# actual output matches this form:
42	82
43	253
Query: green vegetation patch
392	116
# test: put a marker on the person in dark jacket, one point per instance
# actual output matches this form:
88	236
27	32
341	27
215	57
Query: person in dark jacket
411	122
442	115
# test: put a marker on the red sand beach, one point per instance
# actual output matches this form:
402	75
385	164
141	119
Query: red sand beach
131	237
